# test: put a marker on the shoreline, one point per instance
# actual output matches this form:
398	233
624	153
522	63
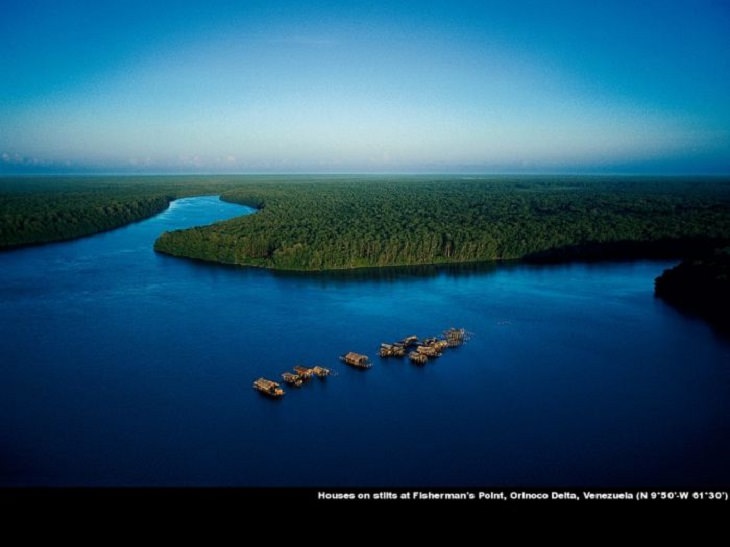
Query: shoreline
592	253
63	239
699	287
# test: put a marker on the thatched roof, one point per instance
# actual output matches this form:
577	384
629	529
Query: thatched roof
265	383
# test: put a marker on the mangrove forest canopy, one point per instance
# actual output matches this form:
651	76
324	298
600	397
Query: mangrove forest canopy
700	286
36	210
340	222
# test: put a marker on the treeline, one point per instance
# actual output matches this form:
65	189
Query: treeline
351	222
318	223
700	286
44	209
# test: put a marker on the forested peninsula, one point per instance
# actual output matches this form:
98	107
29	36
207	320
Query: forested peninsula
700	286
325	223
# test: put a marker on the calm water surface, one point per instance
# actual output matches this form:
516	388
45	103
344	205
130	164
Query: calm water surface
123	367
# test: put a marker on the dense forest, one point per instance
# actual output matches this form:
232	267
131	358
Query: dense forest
329	222
37	210
700	286
350	222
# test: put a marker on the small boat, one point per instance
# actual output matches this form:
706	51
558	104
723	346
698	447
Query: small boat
268	387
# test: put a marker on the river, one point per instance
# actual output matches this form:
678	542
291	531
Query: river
123	367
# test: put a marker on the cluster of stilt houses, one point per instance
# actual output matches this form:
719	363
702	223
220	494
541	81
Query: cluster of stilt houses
418	351
295	378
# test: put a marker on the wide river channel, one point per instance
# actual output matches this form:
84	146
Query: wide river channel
122	367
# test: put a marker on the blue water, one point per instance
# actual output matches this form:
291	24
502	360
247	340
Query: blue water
123	367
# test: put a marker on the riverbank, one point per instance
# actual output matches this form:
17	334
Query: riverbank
700	286
124	367
371	222
49	209
321	223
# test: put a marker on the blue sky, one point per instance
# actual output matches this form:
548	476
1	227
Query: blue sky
428	86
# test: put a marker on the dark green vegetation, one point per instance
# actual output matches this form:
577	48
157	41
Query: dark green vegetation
700	286
333	223
319	223
44	209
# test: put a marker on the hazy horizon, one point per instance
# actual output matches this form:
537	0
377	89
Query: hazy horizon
435	87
